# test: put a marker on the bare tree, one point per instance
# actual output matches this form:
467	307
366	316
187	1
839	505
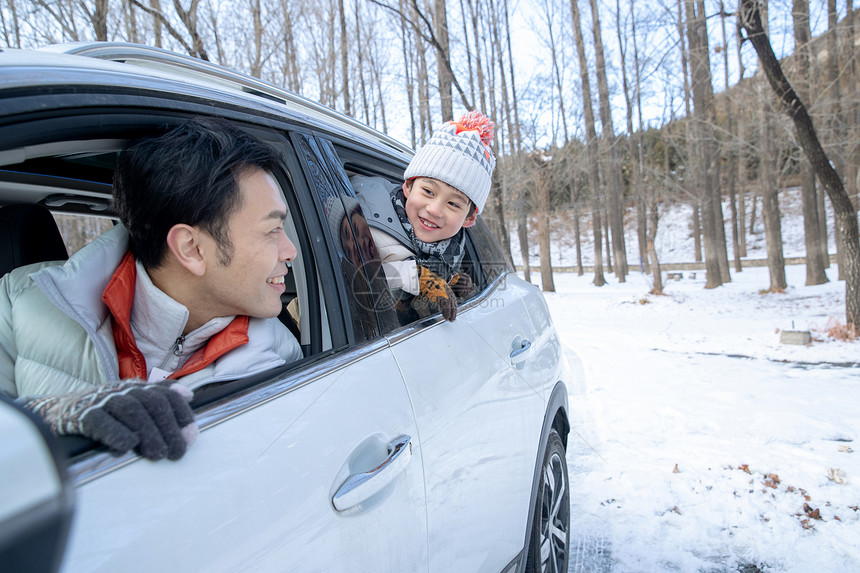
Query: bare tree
289	66
360	50
741	163
156	22
188	18
591	146
769	191
815	254
516	131
256	59
705	152
443	59
11	29
633	143
541	184
407	47
614	191
344	59
548	13
845	212
730	149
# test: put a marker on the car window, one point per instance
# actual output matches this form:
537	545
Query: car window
72	179
367	297
484	260
485	256
80	230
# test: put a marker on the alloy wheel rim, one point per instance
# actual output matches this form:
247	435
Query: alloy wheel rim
554	516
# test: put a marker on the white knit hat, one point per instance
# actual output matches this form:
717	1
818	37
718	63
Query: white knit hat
459	154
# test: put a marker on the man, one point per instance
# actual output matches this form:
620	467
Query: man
110	344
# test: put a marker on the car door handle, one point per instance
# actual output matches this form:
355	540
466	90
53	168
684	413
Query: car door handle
519	355
359	487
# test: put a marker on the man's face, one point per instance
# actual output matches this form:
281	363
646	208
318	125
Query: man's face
253	280
435	209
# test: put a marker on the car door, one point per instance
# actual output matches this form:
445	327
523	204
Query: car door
314	466
479	409
256	491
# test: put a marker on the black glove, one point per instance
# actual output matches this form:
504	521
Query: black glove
462	286
433	288
153	419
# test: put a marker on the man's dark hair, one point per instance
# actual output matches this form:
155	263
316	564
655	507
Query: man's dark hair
187	175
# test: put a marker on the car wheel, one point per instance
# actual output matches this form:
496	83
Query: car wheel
549	541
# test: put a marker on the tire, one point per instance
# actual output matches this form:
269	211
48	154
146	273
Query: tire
549	541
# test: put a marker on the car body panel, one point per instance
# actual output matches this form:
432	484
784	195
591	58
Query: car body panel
258	486
479	420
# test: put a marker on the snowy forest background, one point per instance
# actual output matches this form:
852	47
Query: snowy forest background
602	108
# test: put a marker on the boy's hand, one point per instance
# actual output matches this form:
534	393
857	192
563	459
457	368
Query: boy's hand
436	290
153	419
462	286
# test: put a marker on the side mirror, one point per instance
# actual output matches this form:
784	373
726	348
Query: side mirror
36	500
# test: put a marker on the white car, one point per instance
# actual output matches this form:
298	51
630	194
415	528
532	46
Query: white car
433	446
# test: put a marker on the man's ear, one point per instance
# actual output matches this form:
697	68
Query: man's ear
184	243
407	188
471	219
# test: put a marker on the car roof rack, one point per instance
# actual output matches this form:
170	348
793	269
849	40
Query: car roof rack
213	74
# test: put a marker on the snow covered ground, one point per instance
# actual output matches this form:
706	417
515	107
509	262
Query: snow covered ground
699	441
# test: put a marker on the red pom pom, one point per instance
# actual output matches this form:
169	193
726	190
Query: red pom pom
477	121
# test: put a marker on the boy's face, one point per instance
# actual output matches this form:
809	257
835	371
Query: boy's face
436	210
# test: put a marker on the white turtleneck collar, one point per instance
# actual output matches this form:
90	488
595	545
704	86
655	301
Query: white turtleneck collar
157	322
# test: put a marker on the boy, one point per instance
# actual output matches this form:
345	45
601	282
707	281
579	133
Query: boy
418	227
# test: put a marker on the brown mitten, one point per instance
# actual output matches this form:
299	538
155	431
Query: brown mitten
434	288
462	286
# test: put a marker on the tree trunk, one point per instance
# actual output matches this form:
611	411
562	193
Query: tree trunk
741	160
845	213
523	236
423	89
640	190
653	217
99	20
541	188
556	72
822	222
614	189
591	147
815	274
131	27
515	134
705	150
732	158
440	26
359	52
475	17
753	214
773	240
576	234
256	63
156	22
696	229
13	36
408	61
769	190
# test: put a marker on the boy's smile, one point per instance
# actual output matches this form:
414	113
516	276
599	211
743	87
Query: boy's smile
435	209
